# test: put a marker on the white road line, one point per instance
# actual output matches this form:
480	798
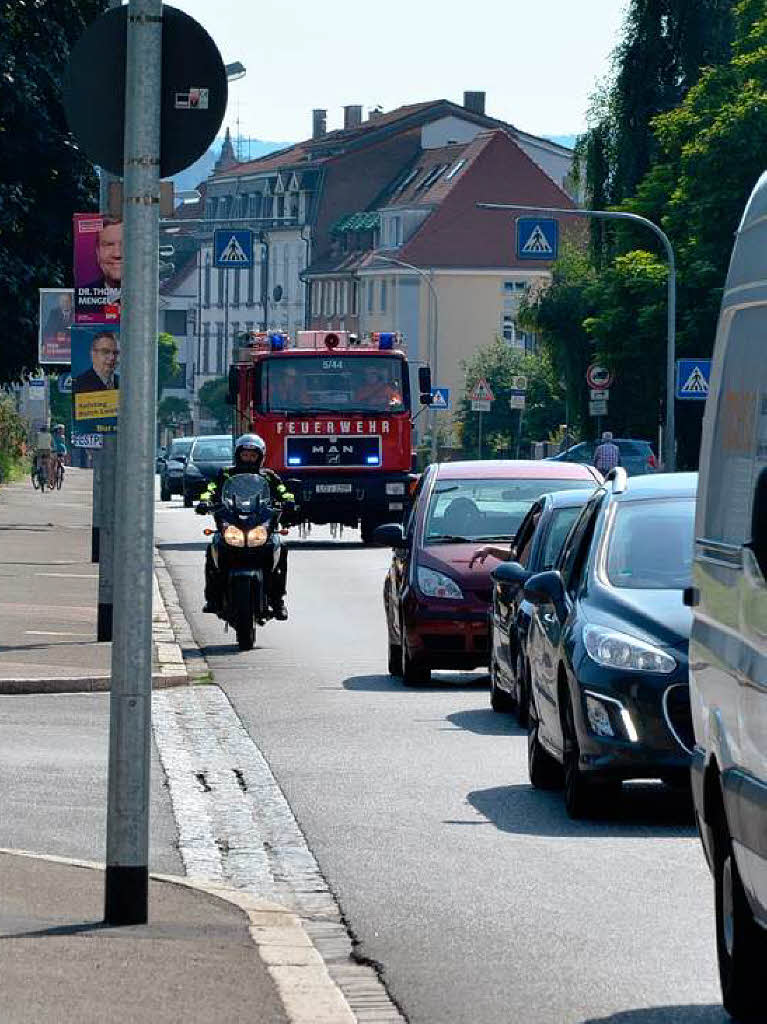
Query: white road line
41	632
70	575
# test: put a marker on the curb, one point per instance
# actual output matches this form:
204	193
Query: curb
308	993
81	684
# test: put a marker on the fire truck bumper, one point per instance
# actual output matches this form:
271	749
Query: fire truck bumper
353	499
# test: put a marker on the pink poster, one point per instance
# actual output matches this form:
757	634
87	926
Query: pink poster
98	255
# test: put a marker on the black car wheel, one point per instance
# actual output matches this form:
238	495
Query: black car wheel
413	673
584	796
395	659
544	771
188	500
741	943
164	491
523	691
499	700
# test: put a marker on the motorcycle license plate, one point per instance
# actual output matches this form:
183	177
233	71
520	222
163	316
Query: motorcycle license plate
333	488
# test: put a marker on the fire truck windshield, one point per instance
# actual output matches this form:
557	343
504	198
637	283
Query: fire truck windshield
333	383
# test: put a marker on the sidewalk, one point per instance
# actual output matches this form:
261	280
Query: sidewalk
49	594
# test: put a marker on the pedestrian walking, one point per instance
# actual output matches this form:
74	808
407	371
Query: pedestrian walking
607	455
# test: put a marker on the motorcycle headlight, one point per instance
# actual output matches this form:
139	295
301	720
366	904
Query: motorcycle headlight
436	584
233	536
257	537
612	649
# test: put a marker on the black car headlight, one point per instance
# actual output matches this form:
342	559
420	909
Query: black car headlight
612	649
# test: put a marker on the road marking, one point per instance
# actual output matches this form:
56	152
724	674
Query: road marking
41	632
69	575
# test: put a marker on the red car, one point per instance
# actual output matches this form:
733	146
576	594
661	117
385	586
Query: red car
436	606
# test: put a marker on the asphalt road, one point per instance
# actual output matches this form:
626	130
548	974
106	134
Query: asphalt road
480	900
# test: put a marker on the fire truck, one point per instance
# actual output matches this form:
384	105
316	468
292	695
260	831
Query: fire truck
335	413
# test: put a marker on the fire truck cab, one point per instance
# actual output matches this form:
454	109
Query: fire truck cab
335	413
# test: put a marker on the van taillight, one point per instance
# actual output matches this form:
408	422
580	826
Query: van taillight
651	460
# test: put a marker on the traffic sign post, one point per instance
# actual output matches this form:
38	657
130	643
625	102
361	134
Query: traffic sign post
537	238
692	379
440	399
232	249
481	397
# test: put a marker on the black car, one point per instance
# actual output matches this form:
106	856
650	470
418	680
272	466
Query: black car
535	548
636	456
171	467
608	641
208	455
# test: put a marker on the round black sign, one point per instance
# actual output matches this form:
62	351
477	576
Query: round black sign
194	90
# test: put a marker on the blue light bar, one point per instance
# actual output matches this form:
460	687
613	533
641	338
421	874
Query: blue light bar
372	460
277	342
386	340
294	460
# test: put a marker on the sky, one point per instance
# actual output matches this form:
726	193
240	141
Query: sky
538	62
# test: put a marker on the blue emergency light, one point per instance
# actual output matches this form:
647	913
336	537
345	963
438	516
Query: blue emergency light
386	340
277	342
294	460
373	460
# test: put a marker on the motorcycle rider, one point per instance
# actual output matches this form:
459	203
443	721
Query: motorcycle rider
249	455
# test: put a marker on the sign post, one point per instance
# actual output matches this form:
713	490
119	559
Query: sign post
482	398
692	377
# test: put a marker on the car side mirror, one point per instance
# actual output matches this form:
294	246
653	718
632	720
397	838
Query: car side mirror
181	459
390	535
546	588
424	385
510	574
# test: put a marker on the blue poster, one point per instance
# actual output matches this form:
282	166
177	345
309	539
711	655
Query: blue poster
95	384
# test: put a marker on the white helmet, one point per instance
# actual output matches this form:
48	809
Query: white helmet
251	443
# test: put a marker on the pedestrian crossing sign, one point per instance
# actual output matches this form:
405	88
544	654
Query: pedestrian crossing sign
440	398
692	376
537	238
233	248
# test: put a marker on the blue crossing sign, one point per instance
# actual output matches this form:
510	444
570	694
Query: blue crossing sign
233	248
692	377
440	398
537	238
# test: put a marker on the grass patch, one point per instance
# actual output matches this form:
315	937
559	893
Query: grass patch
206	679
12	469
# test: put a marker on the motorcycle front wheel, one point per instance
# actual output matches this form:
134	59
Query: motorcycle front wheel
246	635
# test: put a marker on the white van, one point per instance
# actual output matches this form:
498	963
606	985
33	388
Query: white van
728	645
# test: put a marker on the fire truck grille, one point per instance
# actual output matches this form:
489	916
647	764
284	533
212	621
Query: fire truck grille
332	451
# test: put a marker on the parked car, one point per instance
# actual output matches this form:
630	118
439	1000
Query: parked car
609	697
172	466
208	455
535	548
637	457
436	605
728	645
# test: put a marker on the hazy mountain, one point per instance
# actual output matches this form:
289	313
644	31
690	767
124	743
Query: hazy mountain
249	149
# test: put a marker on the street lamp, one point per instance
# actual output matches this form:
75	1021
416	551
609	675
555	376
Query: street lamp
235	71
435	331
670	427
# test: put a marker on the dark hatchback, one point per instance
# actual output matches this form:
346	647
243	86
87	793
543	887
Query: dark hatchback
608	644
436	602
637	457
208	456
172	467
535	548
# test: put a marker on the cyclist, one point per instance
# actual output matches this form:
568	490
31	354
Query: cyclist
59	444
43	460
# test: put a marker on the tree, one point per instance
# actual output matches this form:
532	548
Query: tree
544	411
173	411
44	178
213	399
167	361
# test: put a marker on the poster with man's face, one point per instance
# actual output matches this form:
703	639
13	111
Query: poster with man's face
95	383
98	259
56	318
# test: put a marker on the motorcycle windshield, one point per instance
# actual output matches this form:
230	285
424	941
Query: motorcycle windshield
245	493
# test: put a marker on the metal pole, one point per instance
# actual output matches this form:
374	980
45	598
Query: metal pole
108	464
127	876
226	315
479	442
670	426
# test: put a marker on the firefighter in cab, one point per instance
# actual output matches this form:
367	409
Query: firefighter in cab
249	455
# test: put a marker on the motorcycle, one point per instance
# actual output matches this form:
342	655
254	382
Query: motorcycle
246	550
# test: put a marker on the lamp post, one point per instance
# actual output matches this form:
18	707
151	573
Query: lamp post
433	341
669	440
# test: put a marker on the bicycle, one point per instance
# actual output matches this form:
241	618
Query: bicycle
59	475
39	476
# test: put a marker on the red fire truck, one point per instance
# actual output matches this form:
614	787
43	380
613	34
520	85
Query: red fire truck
335	412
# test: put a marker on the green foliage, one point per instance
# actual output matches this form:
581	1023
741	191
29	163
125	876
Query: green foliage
213	399
173	411
167	361
61	406
498	363
44	178
12	438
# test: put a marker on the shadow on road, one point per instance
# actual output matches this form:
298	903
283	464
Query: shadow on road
642	808
438	684
324	545
486	722
709	1014
190	545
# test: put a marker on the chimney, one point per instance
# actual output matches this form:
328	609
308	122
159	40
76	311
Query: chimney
352	117
374	113
475	102
319	123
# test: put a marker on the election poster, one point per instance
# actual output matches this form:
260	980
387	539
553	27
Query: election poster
98	255
56	318
95	384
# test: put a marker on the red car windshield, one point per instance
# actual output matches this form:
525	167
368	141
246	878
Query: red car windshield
480	510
